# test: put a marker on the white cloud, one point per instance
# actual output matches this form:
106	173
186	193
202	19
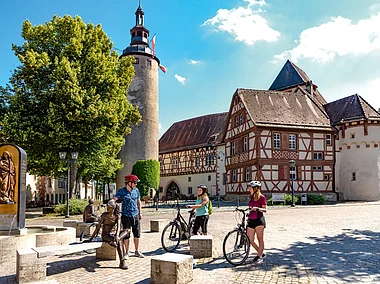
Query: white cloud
366	89
337	37
255	2
244	24
194	62
180	79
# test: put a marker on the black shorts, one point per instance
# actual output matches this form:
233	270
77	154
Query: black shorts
253	223
133	222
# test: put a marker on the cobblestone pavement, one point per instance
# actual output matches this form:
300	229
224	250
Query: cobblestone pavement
306	244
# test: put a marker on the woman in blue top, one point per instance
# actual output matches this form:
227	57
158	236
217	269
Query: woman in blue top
201	209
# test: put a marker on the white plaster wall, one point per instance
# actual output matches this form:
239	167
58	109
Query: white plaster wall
365	162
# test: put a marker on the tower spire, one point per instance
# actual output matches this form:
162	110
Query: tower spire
139	15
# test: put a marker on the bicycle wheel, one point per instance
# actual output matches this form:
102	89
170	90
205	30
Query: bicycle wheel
236	247
87	232
171	236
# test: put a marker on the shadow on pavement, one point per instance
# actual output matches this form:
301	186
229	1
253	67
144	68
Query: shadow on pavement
350	256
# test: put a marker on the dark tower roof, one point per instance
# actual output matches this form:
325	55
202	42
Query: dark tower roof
139	38
290	75
350	109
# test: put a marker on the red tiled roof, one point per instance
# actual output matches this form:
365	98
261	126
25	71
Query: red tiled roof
283	109
193	133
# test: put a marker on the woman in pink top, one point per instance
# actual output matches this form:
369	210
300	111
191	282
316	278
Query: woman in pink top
256	220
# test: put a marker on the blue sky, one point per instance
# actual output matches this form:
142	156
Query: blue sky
212	47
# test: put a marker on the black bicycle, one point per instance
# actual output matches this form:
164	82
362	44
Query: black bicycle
87	232
236	244
178	229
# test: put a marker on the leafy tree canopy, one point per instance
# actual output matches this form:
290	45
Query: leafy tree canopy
69	93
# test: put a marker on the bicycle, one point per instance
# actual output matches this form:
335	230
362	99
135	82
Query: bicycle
236	243
178	229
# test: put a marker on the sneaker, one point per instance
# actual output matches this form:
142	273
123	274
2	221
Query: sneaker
126	256
258	259
139	254
263	256
123	265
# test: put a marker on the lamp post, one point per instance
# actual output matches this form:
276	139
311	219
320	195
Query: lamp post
74	158
292	165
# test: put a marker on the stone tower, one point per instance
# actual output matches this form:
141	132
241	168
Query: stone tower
142	142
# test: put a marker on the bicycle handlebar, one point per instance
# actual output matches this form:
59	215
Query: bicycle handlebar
242	210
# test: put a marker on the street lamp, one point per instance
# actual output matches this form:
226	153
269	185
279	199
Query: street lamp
292	166
74	158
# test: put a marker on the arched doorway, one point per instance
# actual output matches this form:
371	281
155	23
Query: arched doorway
172	192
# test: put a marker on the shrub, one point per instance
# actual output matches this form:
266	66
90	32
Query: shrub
314	199
148	172
288	199
76	207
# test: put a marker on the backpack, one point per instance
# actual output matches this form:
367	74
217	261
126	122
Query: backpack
209	207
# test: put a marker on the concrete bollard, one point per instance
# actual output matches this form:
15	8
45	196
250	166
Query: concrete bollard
157	225
201	246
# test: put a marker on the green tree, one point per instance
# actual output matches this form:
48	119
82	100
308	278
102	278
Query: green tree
69	93
149	174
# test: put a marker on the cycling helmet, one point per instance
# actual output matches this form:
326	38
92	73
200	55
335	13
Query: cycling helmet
254	183
202	186
131	178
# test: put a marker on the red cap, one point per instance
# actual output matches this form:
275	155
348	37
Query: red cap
132	178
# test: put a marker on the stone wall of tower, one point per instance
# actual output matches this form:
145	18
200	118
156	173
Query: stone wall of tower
142	142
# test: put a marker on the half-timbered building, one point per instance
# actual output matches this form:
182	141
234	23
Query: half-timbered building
191	152
267	129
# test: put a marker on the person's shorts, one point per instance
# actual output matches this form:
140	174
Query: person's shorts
131	222
253	223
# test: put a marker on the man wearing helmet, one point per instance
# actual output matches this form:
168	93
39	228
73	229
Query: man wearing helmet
256	220
131	211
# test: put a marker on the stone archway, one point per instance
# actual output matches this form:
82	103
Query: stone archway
172	191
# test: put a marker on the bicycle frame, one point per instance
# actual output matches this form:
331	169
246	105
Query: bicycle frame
181	220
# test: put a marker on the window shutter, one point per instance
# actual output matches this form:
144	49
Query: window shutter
299	174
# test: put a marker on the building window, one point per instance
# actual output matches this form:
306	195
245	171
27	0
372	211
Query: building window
352	135
276	140
197	161
49	182
245	144
175	163
318	156
209	160
189	179
247	174
189	190
61	183
317	168
149	63
292	142
241	120
161	165
137	61
233	175
353	176
233	148
224	178
236	121
209	178
328	139
326	177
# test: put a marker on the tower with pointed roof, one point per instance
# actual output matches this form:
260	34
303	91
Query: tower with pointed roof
142	142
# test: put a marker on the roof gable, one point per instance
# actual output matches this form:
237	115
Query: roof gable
350	108
193	133
289	76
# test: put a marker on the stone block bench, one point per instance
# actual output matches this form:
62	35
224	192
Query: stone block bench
158	224
31	265
171	268
78	225
201	246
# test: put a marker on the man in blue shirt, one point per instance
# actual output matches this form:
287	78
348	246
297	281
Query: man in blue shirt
131	211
